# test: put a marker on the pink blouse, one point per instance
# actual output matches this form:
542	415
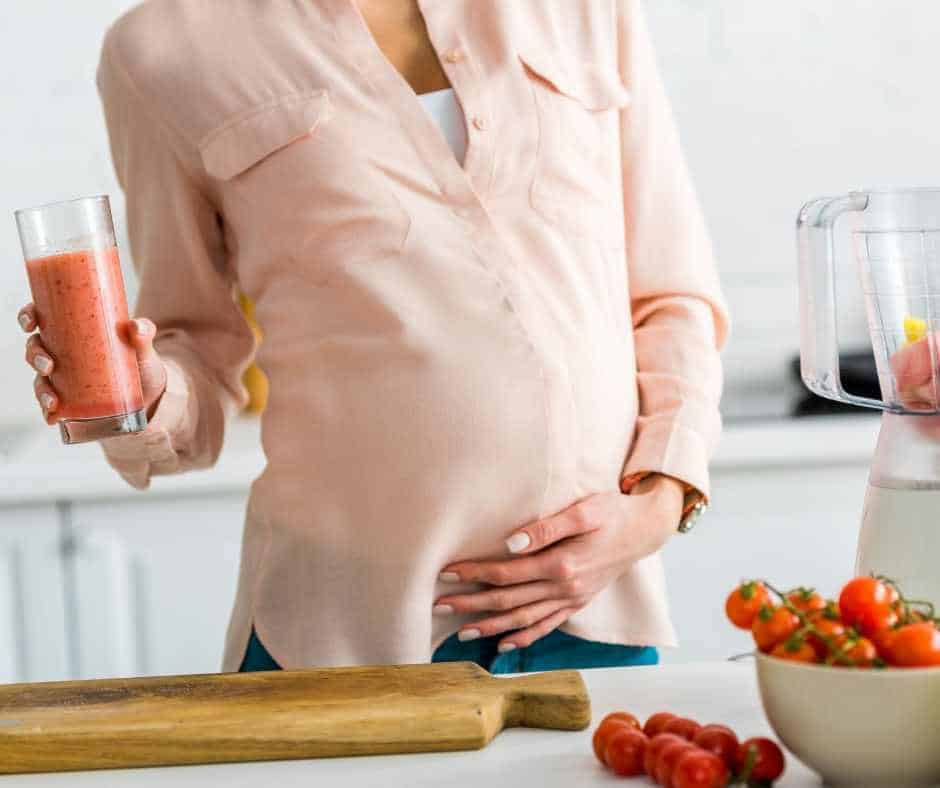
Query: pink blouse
453	349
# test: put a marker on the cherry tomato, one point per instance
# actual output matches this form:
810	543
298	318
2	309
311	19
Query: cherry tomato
773	625
625	750
720	740
700	769
916	646
867	604
745	602
806	600
794	649
763	756
877	620
860	653
623	716
884	642
654	747
894	595
682	726
830	611
667	760
827	628
610	725
657	722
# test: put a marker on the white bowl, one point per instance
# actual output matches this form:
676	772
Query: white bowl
854	727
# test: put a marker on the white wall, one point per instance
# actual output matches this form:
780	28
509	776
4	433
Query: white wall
52	146
778	102
782	101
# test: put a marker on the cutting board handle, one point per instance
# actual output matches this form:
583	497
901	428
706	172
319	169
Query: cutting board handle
556	699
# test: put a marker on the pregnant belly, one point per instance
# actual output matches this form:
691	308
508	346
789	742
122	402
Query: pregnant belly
430	425
441	417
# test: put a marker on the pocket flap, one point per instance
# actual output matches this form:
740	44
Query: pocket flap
596	87
248	138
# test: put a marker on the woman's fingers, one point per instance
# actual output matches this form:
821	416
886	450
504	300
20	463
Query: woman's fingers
520	618
495	600
38	357
47	398
540	629
549	565
27	318
576	519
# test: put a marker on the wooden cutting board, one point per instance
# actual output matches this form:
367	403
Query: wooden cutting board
216	718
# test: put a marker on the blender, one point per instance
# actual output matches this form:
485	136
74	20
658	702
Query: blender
894	237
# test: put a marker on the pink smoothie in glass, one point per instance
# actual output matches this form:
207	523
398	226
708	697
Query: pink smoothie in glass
82	311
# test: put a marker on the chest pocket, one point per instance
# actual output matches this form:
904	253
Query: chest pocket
308	183
577	177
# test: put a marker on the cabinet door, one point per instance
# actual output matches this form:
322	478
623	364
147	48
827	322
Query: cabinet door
154	583
790	526
33	644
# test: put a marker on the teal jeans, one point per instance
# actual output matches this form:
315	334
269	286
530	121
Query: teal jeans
553	652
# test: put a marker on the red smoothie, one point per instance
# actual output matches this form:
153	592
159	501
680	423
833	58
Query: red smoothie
82	310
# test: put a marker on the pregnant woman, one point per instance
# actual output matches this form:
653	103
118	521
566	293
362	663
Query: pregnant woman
491	317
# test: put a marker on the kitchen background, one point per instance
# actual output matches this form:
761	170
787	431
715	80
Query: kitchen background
777	102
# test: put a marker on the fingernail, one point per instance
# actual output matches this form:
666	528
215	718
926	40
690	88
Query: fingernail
141	327
42	363
518	542
442	610
46	400
24	321
504	647
449	577
468	634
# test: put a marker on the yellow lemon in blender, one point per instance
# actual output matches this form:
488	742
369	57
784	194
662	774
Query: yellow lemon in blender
915	329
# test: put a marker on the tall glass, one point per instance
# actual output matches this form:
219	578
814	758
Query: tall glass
75	276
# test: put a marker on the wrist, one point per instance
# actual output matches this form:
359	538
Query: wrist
688	502
658	483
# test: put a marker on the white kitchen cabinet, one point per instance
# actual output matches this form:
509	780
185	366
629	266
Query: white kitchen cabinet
791	525
33	633
154	580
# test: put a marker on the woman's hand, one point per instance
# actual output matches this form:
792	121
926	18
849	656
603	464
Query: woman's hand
563	561
140	333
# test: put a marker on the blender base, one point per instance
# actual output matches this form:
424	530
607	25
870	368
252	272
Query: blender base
900	538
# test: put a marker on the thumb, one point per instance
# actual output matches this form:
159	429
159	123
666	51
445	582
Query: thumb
141	333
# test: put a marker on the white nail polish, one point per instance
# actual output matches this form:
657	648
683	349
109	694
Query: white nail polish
468	634
442	610
518	542
449	577
141	327
504	647
46	400
24	321
42	364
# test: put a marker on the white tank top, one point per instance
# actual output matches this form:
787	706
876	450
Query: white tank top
443	107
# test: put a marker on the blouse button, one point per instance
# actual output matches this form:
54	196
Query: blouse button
454	55
479	122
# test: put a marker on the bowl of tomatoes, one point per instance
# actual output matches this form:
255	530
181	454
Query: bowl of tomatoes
850	685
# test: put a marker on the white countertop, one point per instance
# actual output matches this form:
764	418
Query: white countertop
43	470
713	692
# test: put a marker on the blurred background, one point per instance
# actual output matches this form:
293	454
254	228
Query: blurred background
776	102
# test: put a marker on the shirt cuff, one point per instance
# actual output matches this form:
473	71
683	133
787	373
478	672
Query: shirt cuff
139	456
671	449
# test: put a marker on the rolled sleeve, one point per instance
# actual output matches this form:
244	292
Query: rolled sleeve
680	320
